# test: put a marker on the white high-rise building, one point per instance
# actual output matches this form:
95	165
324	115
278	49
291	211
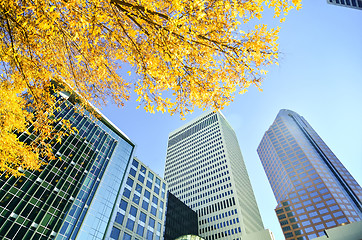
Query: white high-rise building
205	169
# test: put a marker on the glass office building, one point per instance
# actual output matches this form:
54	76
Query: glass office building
205	170
313	189
180	219
72	198
141	211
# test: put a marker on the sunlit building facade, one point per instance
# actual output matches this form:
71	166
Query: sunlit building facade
313	189
72	198
205	170
141	211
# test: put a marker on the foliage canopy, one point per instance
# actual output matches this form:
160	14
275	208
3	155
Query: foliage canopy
191	49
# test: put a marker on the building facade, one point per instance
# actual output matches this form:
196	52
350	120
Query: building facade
357	4
141	211
313	189
72	198
180	219
205	170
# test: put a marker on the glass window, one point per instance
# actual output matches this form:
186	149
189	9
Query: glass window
158	181
142	217
115	233
145	205
136	199
149	235
156	190
323	211
133	211
132	172
127	236
319	205
140	230
127	193
123	205
141	178
330	202
153	210
147	194
119	218
138	188
130	224
135	163
319	227
330	224
143	169
306	223
155	200
342	220
129	182
151	176
151	222
149	184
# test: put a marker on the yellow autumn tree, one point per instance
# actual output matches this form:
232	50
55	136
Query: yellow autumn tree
194	51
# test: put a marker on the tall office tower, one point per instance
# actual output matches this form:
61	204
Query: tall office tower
205	169
314	191
72	198
141	211
357	4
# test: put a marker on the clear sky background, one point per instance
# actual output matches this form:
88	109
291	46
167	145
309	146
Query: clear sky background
319	77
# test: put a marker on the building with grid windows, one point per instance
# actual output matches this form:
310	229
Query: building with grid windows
313	189
72	198
141	211
357	4
205	170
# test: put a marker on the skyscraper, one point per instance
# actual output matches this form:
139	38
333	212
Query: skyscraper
205	169
313	189
357	4
72	198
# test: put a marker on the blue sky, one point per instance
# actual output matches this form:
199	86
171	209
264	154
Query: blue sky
319	77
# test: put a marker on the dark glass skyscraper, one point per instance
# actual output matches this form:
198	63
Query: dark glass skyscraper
72	198
313	189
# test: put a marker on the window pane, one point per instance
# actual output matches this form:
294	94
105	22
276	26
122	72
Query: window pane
130	224
129	182
151	222
135	163
123	205
140	230
139	188
115	233
147	194
119	218
142	217
127	236
145	205
133	211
